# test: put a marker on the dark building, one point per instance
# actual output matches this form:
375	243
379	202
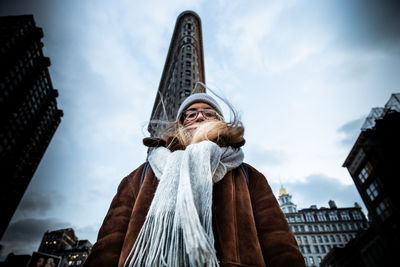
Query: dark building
13	260
319	230
373	164
29	115
65	244
58	240
183	68
361	251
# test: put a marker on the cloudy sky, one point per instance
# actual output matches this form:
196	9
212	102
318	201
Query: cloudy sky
303	74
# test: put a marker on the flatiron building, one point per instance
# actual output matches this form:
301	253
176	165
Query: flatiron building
183	69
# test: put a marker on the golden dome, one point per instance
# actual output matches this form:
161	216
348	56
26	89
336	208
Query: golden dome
283	191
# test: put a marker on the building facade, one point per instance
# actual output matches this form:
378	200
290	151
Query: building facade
183	69
318	230
29	115
373	164
65	244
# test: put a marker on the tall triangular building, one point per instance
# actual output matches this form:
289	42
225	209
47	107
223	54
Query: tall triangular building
183	68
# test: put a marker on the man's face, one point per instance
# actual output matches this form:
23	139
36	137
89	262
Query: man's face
194	117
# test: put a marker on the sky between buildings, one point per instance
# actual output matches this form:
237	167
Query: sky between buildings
303	75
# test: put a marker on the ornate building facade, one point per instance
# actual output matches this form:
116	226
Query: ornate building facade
318	230
29	115
183	68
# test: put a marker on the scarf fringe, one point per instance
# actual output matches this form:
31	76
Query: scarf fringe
178	227
160	242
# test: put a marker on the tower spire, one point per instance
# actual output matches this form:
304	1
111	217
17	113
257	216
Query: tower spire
285	201
183	68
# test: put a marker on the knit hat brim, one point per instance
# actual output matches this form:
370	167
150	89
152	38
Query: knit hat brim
199	98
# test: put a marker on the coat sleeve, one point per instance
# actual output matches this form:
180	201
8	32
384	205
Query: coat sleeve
278	244
107	249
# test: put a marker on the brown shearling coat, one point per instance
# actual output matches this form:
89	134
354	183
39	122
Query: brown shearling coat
249	226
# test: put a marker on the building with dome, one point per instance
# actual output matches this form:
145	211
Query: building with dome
318	230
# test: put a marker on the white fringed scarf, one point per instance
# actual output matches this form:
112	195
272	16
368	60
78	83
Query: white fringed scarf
178	227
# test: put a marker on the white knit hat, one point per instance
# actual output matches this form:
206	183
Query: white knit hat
196	98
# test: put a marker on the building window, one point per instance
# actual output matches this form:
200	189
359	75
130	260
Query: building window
344	237
311	260
323	250
308	249
328	227
187	82
365	172
188	48
372	191
188	55
316	249
305	260
305	239
314	240
321	217
345	215
383	210
302	228
326	239
319	259
188	64
188	72
309	217
333	217
316	228
320	239
338	238
357	215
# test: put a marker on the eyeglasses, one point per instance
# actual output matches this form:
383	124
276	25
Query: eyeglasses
191	115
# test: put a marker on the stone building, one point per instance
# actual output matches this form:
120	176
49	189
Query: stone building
183	68
318	230
29	115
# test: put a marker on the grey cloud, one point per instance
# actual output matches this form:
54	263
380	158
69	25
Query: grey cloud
35	202
351	130
259	156
24	236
